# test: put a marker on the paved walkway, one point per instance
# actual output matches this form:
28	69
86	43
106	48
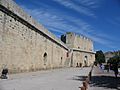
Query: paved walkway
58	79
103	80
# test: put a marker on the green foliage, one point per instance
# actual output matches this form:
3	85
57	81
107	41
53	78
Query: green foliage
99	57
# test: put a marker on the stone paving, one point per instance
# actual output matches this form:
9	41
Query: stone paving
57	79
103	80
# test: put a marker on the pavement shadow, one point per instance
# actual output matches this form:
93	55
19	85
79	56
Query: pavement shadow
109	82
80	78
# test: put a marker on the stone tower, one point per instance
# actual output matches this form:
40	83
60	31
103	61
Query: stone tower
81	47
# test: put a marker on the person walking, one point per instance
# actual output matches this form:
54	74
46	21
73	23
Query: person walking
108	67
115	69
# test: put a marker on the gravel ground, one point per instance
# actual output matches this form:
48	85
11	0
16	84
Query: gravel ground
57	79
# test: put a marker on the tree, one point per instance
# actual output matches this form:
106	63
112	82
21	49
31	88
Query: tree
99	57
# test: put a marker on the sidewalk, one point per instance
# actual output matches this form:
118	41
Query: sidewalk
103	80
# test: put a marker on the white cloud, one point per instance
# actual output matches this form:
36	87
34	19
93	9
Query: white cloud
90	3
78	8
60	22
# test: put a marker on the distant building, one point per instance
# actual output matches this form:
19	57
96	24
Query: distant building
81	47
111	54
108	55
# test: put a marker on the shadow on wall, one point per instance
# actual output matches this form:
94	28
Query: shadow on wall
108	82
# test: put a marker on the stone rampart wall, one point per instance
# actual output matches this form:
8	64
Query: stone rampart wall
26	45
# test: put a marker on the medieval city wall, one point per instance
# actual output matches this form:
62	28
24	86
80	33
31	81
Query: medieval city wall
26	45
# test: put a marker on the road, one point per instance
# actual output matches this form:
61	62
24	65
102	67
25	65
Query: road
57	79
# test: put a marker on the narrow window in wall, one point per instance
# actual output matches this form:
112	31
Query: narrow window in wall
67	54
45	58
61	60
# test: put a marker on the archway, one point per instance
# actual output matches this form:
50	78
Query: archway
85	61
45	58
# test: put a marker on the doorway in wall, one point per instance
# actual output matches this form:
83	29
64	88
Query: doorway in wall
86	61
61	60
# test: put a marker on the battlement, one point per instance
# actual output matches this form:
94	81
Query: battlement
79	41
79	36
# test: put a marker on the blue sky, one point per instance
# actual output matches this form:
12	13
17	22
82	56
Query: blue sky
96	19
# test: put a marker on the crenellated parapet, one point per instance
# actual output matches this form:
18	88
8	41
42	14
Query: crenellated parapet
79	41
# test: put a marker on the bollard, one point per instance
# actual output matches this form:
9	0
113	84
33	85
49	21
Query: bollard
85	84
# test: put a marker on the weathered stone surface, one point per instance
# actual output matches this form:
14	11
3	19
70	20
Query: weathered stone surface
25	45
82	48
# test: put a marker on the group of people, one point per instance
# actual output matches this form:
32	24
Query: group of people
79	65
4	73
